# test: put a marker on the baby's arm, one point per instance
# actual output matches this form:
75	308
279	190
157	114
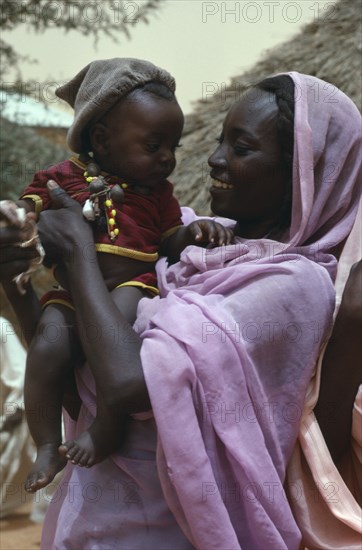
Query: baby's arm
201	232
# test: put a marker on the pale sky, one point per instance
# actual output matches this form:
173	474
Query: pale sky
203	44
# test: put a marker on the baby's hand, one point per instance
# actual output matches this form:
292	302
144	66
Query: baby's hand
210	232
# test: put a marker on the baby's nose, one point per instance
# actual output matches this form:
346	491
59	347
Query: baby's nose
167	157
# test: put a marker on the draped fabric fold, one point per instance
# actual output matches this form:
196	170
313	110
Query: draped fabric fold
227	384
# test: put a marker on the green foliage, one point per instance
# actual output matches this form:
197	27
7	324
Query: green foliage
96	18
24	152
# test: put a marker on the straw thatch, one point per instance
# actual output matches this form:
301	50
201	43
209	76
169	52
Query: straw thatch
329	48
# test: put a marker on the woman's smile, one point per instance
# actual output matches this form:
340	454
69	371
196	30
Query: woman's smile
219	184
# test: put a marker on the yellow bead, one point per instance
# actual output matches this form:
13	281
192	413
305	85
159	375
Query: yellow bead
89	179
116	231
108	203
85	174
124	185
111	221
113	212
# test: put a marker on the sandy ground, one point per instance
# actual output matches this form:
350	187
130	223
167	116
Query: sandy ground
17	532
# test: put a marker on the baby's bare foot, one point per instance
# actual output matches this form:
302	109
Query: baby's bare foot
92	446
80	451
46	466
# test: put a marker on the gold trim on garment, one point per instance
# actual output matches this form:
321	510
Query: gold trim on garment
152	289
127	252
59	301
38	203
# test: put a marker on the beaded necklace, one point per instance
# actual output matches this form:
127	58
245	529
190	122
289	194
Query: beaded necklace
99	187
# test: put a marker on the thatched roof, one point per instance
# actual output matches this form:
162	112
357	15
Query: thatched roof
329	49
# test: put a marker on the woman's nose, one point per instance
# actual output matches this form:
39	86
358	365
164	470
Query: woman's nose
217	159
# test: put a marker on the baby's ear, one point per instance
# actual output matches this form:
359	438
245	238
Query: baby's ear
99	138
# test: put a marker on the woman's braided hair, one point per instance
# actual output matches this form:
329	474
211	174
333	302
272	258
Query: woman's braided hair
282	87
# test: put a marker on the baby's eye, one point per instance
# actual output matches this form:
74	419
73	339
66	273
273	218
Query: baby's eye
220	139
152	147
177	146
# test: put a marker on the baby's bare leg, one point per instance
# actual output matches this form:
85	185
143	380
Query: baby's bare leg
105	435
53	353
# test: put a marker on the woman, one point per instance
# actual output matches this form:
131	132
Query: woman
229	350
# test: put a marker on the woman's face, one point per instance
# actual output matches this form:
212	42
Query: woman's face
248	178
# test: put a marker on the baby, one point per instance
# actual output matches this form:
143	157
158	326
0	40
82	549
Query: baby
127	126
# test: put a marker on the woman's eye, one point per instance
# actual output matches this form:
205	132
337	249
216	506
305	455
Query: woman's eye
241	150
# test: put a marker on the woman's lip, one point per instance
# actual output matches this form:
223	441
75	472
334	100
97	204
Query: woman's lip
217	184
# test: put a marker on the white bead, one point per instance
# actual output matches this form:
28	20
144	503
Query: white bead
88	211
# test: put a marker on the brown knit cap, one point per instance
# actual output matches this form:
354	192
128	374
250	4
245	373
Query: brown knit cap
100	85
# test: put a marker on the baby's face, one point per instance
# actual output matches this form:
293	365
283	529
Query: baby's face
140	138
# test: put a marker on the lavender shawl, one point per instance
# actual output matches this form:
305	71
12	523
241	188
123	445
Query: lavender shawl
227	353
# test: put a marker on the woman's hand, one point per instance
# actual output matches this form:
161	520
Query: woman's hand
14	259
64	231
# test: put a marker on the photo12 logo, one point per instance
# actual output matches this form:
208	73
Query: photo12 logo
72	13
268	11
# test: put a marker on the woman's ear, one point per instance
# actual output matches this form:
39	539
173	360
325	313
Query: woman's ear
99	138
